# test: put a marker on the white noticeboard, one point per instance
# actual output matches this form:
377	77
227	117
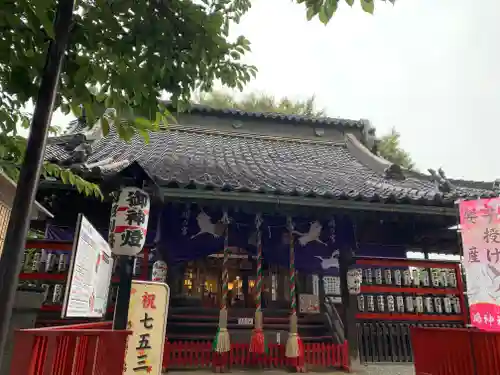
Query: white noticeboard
89	277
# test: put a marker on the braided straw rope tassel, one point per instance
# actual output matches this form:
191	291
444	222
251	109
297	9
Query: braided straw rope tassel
294	343
257	341
222	343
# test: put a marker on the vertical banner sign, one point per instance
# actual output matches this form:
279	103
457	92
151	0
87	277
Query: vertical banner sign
480	229
129	221
148	311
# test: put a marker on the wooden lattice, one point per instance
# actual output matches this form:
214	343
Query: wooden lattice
4	222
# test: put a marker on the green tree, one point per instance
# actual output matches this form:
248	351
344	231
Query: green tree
123	54
254	102
325	9
389	147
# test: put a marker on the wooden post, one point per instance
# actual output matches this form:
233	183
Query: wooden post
120	320
346	259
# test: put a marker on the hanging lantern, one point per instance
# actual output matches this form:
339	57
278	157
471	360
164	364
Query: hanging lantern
159	271
129	221
354	280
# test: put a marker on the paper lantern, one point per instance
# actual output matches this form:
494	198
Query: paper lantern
129	221
159	271
354	280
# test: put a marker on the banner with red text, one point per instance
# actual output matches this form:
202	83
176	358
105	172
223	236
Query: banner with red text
480	229
147	315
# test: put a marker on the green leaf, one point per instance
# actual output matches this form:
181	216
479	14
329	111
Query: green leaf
80	187
311	12
65	176
26	123
368	5
144	134
158	119
101	97
350	2
88	190
97	191
41	13
328	10
72	178
52	169
93	90
105	125
65	108
143	123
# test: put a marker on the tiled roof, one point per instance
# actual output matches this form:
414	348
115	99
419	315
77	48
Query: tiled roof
249	163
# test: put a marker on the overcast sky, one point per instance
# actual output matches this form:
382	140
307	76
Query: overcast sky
429	68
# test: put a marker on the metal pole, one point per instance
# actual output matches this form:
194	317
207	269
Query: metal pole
126	265
10	261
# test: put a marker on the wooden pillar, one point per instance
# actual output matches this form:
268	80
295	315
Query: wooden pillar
308	288
246	290
175	278
321	292
346	259
426	252
281	285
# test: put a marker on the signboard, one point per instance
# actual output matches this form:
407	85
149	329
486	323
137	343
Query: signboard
147	314
91	266
308	303
245	321
480	230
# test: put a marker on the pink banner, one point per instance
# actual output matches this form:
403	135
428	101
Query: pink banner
480	229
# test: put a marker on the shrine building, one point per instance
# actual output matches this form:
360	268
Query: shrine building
238	179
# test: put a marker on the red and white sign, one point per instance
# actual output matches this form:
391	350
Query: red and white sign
129	221
480	230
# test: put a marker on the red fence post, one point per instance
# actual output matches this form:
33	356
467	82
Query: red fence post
443	351
91	354
69	351
486	349
23	345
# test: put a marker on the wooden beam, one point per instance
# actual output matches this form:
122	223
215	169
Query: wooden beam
284	201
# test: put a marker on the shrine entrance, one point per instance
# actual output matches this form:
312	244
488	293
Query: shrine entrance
203	279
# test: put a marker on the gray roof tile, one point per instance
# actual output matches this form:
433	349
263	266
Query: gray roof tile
265	164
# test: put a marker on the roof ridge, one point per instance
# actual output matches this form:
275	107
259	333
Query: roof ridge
324	120
194	129
479	184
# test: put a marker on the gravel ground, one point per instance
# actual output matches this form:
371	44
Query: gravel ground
387	369
382	369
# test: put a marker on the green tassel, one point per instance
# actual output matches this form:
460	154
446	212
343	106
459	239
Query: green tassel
216	340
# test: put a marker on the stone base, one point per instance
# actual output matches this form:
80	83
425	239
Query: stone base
26	307
356	366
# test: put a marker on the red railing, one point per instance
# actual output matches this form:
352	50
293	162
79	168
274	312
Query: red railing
192	354
447	351
82	349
